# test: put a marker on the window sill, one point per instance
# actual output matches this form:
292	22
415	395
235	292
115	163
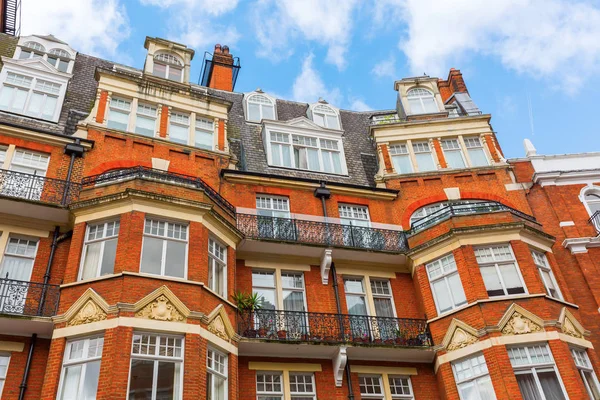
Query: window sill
128	273
308	171
219	296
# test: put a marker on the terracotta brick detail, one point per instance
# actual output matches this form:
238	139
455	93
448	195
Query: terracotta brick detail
164	122
100	114
489	141
387	161
221	138
440	154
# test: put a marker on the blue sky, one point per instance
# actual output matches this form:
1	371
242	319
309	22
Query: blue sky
512	53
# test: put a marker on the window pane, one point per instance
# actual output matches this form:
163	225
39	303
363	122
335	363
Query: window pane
457	290
478	157
90	263
528	388
253	112
333	122
49	107
511	279
90	382
268	112
178	133
442	296
70	385
430	105
204	139
140	382
117	120
550	385
108	260
591	381
160	70
402	164
425	162
167	381
175	260
35	104
454	159
151	255
313	159
415	106
492	281
19	99
337	162
383	307
175	73
356	305
486	389
265	279
145	125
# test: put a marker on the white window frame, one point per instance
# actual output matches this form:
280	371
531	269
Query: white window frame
264	394
496	263
211	362
6	357
138	114
84	361
445	275
400	150
350	213
595	190
201	126
248	99
303	395
420	95
5	253
41	51
414	147
267	203
325	110
177	63
289	146
165	239
120	110
214	263
15	162
446	149
584	366
532	367
278	286
474	142
541	262
174	121
409	396
102	241
474	380
156	358
376	396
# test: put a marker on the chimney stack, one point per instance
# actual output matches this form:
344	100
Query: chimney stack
454	84
221	70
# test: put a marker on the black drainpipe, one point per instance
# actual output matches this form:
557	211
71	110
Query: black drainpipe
323	193
74	150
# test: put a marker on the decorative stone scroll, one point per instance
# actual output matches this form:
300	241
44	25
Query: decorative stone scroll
459	335
519	321
90	312
160	309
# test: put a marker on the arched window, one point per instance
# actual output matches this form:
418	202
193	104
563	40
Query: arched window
591	197
168	66
59	58
260	107
32	50
325	116
421	101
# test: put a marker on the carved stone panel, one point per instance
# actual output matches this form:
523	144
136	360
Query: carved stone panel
460	339
217	326
569	328
161	309
519	324
90	312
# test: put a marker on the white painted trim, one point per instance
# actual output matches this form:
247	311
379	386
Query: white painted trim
11	346
372	369
566	223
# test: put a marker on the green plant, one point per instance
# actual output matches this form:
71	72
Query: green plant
247	302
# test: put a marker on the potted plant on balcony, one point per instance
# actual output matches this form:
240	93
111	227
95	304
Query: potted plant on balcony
282	334
247	304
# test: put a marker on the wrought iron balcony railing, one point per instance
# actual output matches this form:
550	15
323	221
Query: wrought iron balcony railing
38	188
163	176
459	209
320	233
296	326
28	298
595	221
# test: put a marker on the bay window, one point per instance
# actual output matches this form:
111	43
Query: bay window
401	158
156	367
453	153
305	152
536	373
179	127
81	369
499	270
164	248
118	114
586	370
476	152
217	267
445	284
204	132
30	96
473	379
216	375
99	249
543	267
145	120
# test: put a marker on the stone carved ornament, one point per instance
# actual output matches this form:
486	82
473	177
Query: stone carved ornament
161	309
217	326
569	328
519	324
460	339
90	312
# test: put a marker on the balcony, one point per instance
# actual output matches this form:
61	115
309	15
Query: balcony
28	299
319	233
394	118
306	327
595	221
161	177
19	185
460	209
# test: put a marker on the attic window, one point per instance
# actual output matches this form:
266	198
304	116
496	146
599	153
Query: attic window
325	116
60	59
260	107
168	66
35	46
421	101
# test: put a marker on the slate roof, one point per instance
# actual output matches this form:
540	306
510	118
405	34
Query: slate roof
79	98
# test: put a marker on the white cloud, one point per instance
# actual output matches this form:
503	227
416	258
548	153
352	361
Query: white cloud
279	23
359	105
551	39
385	68
192	22
94	27
309	86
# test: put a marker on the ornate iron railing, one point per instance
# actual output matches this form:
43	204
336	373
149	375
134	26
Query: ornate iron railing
38	188
458	209
595	221
320	233
28	298
163	176
280	325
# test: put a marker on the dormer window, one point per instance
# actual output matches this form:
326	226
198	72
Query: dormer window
260	107
168	66
421	101
325	116
32	50
31	96
59	59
